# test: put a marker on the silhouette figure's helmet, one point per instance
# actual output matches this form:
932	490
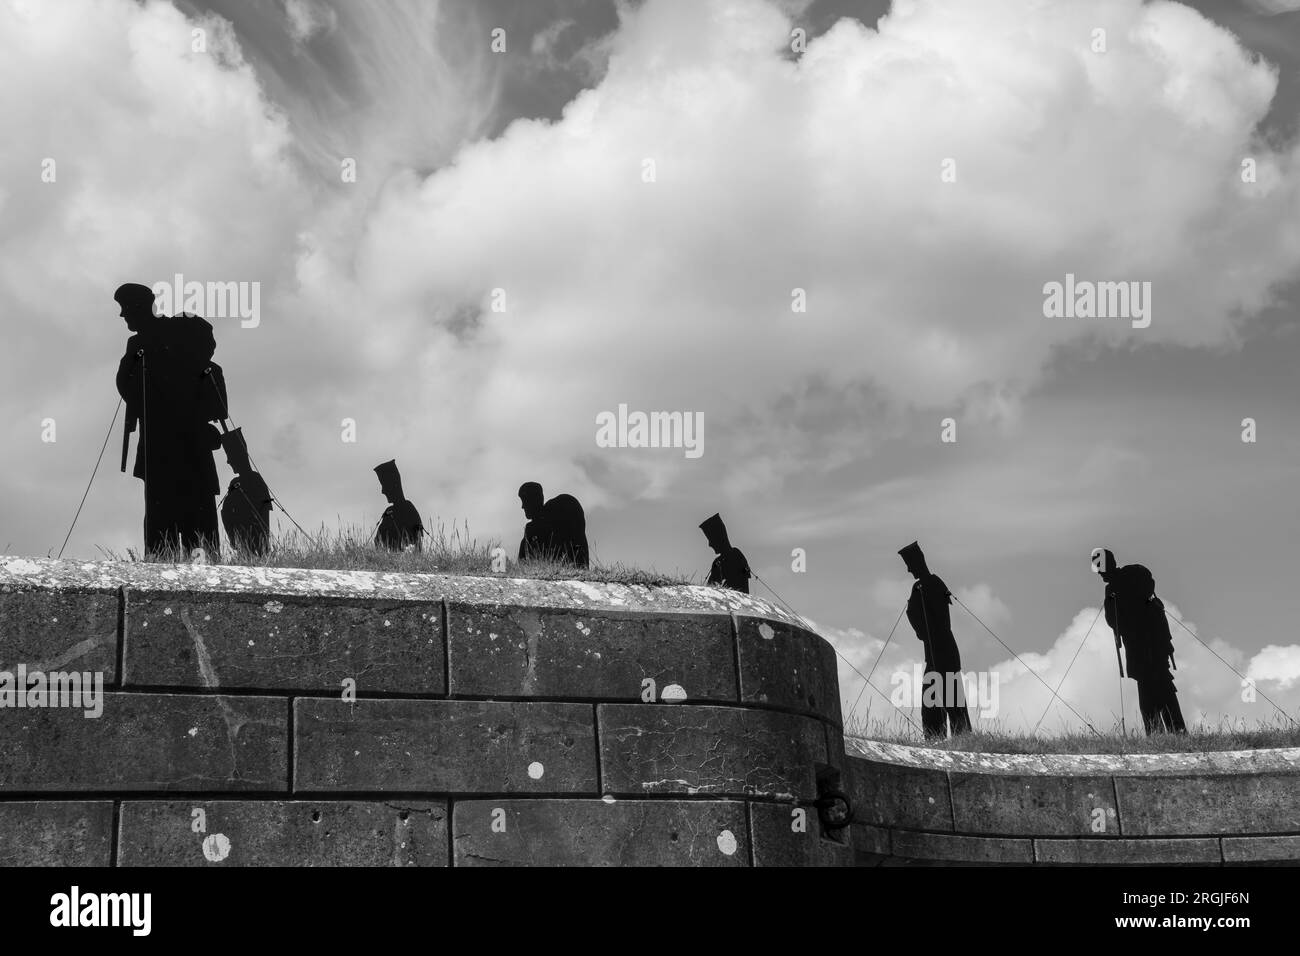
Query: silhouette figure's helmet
912	554
713	527
134	294
1108	561
387	472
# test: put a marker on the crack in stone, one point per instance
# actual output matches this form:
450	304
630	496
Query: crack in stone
532	626
206	672
80	649
233	723
489	859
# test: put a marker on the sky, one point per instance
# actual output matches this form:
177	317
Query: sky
619	207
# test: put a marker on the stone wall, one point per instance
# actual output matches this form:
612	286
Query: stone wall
269	716
494	721
918	805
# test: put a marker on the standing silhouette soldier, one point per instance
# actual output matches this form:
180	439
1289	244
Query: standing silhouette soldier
400	526
942	697
556	529
172	390
730	569
246	512
1137	618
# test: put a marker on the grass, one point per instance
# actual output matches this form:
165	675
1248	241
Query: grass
445	551
1228	734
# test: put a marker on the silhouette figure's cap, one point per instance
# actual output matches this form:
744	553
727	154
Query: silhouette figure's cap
912	552
132	293
387	471
233	441
1110	564
713	526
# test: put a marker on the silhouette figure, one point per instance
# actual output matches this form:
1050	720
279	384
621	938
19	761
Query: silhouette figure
401	525
943	697
1137	618
173	391
556	529
730	569
246	511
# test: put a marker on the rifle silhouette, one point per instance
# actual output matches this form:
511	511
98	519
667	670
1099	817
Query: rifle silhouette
131	420
127	427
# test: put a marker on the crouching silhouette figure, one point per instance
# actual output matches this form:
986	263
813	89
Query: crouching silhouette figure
556	529
246	510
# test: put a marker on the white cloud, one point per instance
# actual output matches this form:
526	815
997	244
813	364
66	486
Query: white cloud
857	652
170	160
1086	677
306	19
1275	664
821	174
543	44
166	160
1274	7
986	605
824	175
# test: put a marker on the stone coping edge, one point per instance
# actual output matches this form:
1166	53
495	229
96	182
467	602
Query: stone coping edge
1273	760
24	574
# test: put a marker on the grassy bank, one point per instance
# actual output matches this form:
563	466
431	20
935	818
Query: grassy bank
445	551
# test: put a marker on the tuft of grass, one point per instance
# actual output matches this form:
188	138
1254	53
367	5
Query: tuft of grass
991	738
445	551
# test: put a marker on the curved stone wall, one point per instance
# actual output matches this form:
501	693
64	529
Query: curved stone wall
917	805
272	716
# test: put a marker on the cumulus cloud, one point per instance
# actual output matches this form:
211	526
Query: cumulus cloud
1209	690
174	157
1081	670
132	157
135	156
857	653
824	175
1276	664
771	174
